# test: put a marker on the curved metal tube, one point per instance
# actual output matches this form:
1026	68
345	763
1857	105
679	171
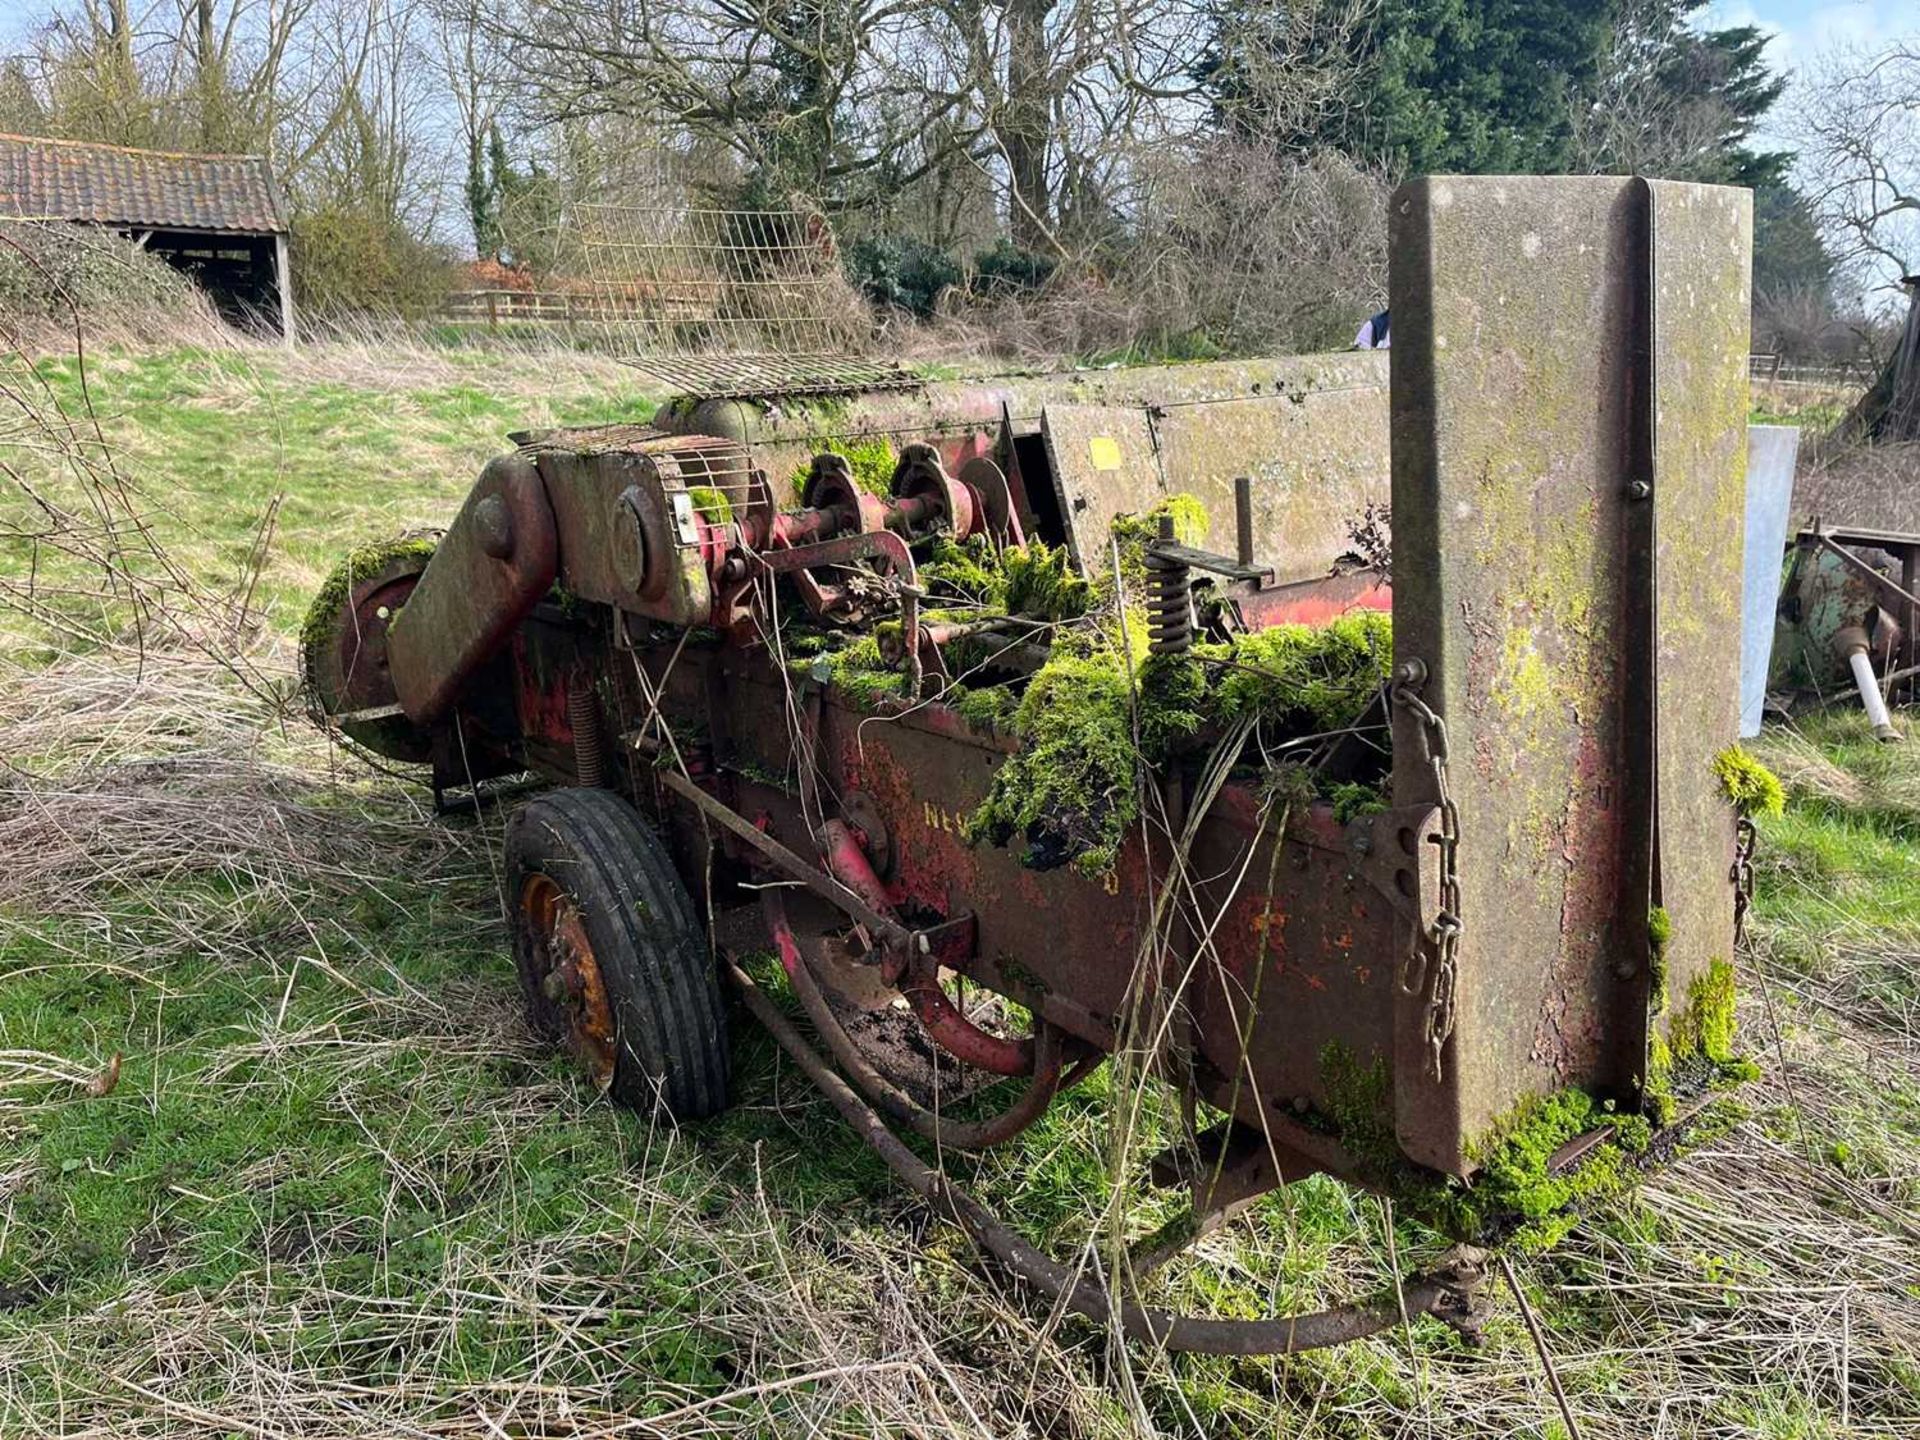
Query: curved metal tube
952	1031
961	1134
1445	1293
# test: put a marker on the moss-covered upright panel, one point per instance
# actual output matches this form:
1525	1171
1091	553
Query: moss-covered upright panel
1701	261
1516	307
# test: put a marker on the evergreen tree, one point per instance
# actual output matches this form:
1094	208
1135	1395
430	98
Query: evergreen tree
483	203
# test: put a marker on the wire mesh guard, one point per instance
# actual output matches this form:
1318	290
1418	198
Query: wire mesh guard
724	303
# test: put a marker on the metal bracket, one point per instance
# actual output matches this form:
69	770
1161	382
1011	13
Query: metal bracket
1398	854
1213	564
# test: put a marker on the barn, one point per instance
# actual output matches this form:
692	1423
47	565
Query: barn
218	218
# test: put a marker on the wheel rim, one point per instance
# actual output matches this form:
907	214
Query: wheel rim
567	974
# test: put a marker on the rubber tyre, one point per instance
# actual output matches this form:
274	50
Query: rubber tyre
669	1024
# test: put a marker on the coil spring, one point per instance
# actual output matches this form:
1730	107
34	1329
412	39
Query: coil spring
583	715
1169	605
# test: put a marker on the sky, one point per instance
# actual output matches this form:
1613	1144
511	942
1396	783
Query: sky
1801	30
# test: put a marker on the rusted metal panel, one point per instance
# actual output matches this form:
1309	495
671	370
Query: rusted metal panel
1105	464
1702	241
1513	355
1300	959
498	558
1304	931
626	519
1317	456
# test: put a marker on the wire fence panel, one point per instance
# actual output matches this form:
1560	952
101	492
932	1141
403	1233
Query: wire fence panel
673	279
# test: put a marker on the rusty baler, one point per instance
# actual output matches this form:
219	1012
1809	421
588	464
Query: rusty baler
1540	901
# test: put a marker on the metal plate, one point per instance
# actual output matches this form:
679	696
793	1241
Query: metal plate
1701	251
1514	320
1773	452
1105	464
767	377
470	596
1317	455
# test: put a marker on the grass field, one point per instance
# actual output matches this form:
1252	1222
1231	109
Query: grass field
334	1189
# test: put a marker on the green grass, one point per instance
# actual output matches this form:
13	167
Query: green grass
338	1189
353	451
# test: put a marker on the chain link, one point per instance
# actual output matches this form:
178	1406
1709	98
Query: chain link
1432	966
1745	839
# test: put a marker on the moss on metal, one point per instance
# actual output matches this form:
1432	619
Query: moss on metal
1323	676
1705	1026
966	570
1750	787
871	458
1516	1197
1133	533
330	601
1354	800
1659	937
1100	705
1041	583
1070	791
858	671
1516	1193
1697	1051
712	504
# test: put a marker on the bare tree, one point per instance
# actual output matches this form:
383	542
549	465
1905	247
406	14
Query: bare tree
1633	119
857	102
1859	127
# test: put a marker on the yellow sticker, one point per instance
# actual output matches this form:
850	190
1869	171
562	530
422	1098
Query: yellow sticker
1104	451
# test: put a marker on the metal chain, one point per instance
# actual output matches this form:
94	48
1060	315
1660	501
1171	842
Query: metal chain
1746	837
1432	967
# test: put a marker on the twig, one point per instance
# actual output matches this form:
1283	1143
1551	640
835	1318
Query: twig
1540	1347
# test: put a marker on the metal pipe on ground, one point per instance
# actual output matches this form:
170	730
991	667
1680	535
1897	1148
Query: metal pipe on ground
1852	642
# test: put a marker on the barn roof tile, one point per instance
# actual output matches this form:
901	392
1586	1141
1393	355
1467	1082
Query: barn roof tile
44	179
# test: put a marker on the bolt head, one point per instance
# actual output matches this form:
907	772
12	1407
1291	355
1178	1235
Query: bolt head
493	524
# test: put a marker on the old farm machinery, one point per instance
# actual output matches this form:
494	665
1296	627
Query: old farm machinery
966	701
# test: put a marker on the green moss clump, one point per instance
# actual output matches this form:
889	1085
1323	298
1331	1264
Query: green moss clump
858	671
1041	583
1515	1185
1324	676
1359	1106
870	458
1659	936
1698	1049
1515	1196
1034	579
1173	703
1134	533
1751	787
1353	800
1705	1026
330	601
1656	1095
1069	790
1659	927
967	570
990	708
1190	523
711	503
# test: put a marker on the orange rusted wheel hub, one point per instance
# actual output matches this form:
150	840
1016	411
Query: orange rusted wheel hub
569	975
